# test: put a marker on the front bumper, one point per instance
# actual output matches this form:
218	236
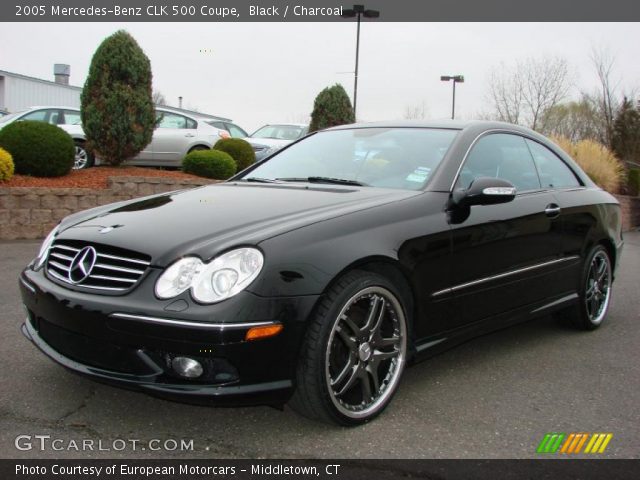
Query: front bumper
115	340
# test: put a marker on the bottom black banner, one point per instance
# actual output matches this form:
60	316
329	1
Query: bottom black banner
566	469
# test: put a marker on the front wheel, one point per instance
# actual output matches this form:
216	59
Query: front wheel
83	159
354	352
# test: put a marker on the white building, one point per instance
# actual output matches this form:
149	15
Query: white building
19	92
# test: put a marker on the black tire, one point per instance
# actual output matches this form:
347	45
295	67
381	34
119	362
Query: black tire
594	291
198	147
83	159
360	323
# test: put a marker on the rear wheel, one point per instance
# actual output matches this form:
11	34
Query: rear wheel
595	291
83	159
354	352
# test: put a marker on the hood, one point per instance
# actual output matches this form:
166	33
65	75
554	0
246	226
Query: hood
207	220
268	142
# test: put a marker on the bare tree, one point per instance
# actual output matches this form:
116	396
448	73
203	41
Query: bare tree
416	112
575	120
505	93
158	98
603	62
521	93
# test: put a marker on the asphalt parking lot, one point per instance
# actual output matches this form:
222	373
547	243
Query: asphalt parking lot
493	397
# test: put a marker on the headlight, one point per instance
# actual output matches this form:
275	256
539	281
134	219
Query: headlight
272	150
211	282
44	248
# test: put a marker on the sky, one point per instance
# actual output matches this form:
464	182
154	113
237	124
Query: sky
257	73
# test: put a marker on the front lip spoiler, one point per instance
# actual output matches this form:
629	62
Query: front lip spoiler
268	393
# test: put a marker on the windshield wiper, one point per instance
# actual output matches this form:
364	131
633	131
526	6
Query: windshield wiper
258	180
336	181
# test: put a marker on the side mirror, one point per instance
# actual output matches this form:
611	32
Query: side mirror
484	191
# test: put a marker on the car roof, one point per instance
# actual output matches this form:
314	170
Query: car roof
444	124
284	124
62	107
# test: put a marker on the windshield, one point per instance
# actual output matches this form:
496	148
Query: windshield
11	116
280	132
401	158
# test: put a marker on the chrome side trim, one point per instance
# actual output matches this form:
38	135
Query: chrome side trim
566	298
185	323
27	285
502	275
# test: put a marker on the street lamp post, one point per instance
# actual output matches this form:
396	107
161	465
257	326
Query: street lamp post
456	79
358	11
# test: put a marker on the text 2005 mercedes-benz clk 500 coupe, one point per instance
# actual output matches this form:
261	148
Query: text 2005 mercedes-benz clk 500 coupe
315	276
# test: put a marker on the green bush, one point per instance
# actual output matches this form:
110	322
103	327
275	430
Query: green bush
209	164
38	148
6	165
240	150
634	181
118	116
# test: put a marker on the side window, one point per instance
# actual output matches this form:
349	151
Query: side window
554	173
71	117
171	120
500	155
38	116
235	131
192	124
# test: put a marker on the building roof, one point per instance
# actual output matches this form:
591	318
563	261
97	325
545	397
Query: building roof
79	89
4	73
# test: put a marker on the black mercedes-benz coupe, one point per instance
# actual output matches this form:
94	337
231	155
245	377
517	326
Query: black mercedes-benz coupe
315	276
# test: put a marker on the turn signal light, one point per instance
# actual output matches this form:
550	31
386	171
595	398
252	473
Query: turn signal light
256	333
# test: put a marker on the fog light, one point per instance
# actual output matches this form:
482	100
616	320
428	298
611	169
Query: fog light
186	367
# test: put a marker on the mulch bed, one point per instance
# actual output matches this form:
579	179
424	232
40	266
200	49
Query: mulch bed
95	177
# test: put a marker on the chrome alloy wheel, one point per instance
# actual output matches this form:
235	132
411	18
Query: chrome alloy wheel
598	287
81	158
366	352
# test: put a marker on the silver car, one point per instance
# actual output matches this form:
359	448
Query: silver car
268	139
67	118
176	135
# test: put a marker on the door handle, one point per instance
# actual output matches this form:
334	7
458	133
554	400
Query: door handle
552	210
189	135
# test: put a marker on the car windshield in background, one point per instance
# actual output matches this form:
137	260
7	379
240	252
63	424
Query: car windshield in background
11	116
402	158
280	132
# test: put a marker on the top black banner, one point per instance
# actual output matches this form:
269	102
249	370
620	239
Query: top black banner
318	10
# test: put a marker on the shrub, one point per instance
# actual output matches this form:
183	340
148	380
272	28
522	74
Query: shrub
209	164
331	107
597	161
118	116
6	165
38	148
240	150
634	181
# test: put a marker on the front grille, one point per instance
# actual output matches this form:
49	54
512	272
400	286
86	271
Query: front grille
115	269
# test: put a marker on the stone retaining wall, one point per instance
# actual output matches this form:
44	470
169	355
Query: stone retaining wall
31	212
630	207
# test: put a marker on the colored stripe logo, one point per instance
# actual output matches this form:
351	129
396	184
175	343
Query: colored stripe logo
574	443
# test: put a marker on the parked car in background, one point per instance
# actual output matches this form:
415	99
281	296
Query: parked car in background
176	135
268	139
67	118
316	275
234	130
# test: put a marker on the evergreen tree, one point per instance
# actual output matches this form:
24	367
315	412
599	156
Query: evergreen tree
331	107
626	132
118	116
